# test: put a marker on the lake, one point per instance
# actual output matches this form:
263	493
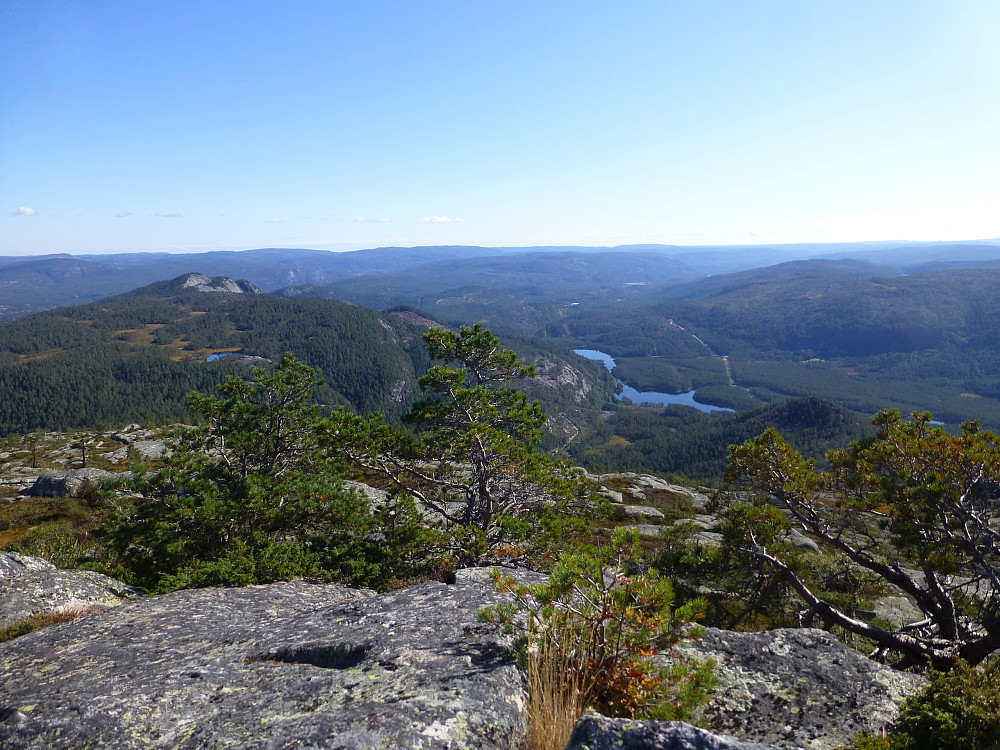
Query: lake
648	397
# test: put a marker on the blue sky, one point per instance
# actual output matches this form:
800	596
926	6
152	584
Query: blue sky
342	125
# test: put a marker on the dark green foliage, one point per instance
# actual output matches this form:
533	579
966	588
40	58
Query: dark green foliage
959	710
673	375
137	356
250	497
632	333
472	458
837	329
682	439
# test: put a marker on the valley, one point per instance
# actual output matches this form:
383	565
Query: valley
724	336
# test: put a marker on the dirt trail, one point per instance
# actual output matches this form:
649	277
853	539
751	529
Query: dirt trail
723	357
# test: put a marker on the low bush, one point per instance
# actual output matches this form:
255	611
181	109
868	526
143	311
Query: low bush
959	710
588	635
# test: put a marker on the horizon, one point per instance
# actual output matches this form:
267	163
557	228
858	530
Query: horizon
333	126
861	245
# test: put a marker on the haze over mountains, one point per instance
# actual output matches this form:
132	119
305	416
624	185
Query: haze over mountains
34	283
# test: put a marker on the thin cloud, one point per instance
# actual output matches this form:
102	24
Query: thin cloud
123	214
274	221
438	220
383	220
25	211
361	219
168	216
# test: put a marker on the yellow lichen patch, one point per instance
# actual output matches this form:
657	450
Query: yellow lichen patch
617	441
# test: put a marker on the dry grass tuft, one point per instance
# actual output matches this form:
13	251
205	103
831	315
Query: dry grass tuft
557	693
44	620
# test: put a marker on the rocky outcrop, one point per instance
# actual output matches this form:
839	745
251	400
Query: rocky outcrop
199	282
596	732
558	375
285	665
143	449
303	664
31	586
14	564
799	687
67	483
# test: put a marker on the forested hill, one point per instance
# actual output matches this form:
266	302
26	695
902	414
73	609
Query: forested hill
139	354
560	277
864	335
839	312
688	442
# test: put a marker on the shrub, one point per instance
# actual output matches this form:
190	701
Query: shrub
589	632
959	710
250	497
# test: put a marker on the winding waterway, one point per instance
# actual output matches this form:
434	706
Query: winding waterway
648	397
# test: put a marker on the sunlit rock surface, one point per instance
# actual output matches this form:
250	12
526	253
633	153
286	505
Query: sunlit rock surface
33	586
799	688
285	665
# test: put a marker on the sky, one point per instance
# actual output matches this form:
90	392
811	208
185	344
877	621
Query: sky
340	125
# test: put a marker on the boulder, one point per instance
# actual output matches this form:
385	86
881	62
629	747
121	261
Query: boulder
647	530
898	610
800	540
643	511
799	687
146	449
15	564
596	732
68	483
378	498
612	495
284	665
131	433
31	586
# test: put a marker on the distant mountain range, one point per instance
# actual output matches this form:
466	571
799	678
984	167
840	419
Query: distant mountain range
34	283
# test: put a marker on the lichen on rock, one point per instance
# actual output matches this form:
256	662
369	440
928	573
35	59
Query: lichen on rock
288	664
32	586
799	687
